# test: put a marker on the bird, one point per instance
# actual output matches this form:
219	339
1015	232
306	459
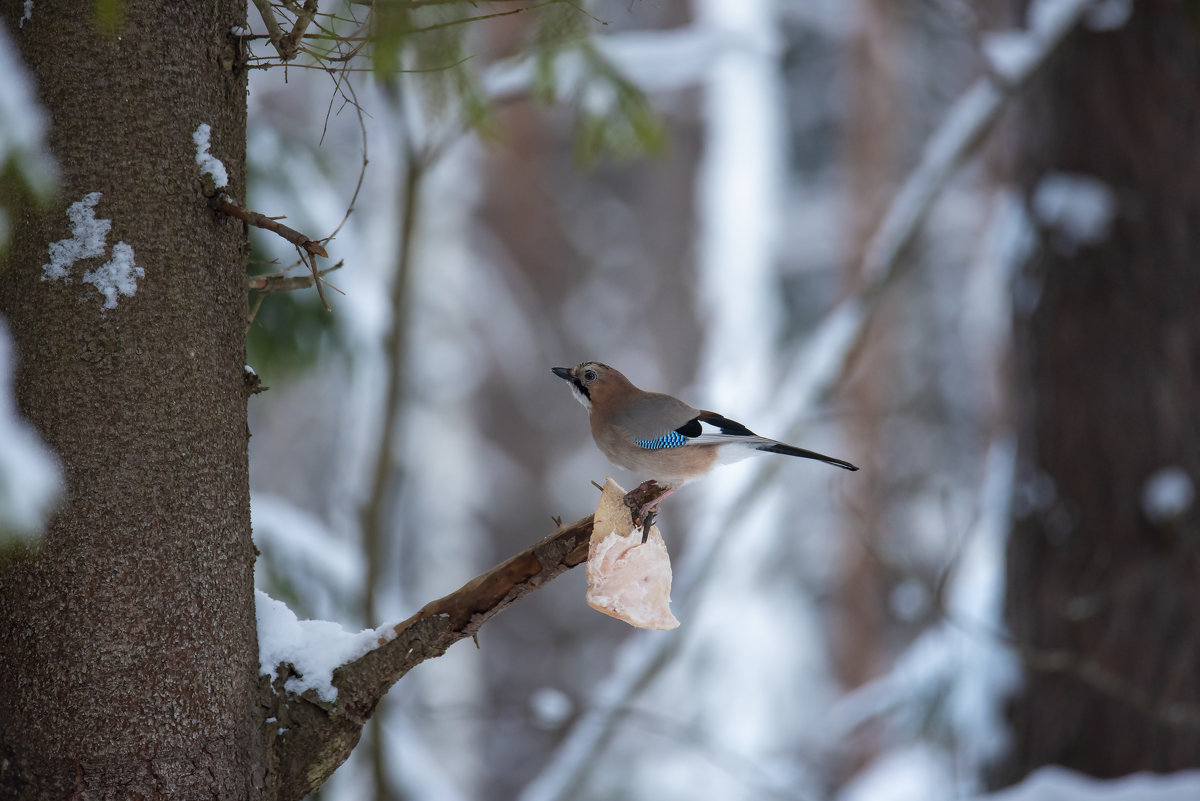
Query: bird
661	437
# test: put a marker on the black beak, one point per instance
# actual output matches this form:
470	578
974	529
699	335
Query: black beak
562	372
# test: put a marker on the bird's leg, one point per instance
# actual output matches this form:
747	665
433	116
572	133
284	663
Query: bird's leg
643	500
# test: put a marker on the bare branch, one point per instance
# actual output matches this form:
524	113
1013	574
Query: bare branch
221	202
291	42
459	615
274	33
280	282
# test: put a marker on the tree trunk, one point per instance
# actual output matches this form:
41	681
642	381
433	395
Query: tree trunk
128	653
1108	397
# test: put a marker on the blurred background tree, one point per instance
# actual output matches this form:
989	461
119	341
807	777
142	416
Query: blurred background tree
1103	560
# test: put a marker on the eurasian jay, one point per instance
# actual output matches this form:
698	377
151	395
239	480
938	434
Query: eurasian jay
662	437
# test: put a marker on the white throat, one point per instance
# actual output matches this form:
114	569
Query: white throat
584	400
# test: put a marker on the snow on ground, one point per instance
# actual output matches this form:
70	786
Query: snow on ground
1059	784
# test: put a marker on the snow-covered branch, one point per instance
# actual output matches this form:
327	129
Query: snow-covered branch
315	725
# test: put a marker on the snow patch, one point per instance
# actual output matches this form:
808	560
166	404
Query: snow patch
117	276
30	480
907	774
1167	495
1013	55
207	161
1059	784
1079	209
550	707
88	237
28	15
314	648
1010	53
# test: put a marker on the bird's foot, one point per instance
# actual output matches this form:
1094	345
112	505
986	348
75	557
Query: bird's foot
642	501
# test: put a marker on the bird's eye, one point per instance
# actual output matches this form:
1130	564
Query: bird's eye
589	375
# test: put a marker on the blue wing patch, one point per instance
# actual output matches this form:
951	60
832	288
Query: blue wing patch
672	439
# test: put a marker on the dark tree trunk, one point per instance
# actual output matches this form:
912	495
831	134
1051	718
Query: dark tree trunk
1108	355
128	655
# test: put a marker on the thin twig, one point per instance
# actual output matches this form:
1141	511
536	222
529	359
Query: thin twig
266	63
465	20
278	282
221	202
311	262
362	171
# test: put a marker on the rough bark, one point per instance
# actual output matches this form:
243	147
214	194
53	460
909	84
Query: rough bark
128	655
1108	393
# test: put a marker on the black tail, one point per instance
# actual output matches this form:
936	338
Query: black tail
788	450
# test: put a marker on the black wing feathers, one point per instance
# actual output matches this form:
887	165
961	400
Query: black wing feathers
733	428
730	427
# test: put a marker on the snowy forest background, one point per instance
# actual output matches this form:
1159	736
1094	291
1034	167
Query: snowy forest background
820	231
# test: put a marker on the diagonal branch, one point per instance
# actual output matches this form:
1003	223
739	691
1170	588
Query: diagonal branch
291	42
440	624
221	202
287	45
274	33
308	249
316	737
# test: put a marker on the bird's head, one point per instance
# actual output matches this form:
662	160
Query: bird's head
593	382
